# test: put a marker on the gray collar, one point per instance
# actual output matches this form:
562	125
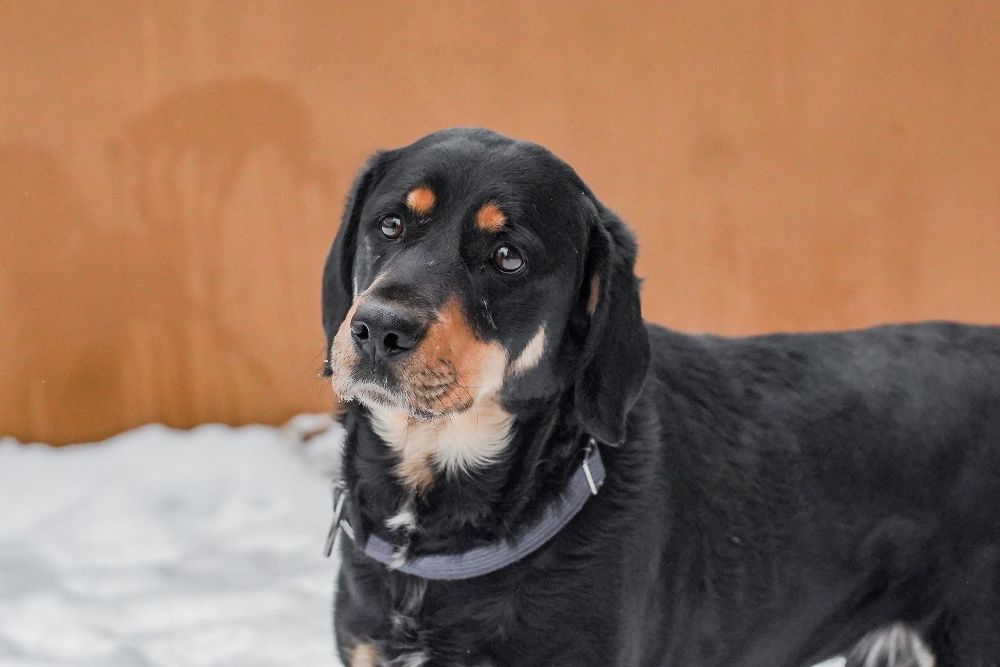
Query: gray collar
475	562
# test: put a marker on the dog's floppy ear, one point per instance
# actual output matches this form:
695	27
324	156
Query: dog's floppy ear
338	274
615	356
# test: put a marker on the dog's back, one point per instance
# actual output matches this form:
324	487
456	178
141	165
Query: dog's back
848	479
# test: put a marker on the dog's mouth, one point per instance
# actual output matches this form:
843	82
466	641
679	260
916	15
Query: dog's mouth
431	394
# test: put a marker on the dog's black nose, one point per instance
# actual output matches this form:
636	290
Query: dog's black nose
381	330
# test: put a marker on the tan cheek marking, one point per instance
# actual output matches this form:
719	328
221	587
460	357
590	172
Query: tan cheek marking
364	655
420	200
595	294
450	344
450	347
490	218
532	352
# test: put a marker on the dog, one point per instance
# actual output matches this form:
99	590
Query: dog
533	475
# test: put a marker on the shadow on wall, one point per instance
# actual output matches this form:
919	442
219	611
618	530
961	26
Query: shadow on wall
64	334
119	324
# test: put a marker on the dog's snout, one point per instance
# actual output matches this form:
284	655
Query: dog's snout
383	331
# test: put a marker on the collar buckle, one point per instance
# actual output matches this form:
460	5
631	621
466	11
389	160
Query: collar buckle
587	453
339	498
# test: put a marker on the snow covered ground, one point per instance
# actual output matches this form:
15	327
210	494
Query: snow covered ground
164	548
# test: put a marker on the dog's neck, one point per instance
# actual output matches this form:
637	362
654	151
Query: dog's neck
460	506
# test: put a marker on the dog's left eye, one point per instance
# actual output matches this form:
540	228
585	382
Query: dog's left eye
508	259
391	227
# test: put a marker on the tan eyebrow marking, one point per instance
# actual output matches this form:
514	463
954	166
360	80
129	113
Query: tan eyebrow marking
420	200
490	218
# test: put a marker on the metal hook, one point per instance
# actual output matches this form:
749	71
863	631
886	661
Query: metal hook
339	496
587	452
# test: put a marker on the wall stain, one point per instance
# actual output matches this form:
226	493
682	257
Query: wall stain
98	309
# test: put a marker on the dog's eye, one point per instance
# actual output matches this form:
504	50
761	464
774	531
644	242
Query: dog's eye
508	259
391	227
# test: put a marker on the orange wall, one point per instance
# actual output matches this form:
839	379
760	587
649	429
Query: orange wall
171	173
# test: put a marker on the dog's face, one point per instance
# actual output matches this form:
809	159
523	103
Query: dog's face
470	267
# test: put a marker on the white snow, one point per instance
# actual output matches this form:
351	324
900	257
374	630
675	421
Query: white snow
164	548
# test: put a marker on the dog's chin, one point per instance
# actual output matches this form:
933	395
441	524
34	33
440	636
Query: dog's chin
375	397
378	398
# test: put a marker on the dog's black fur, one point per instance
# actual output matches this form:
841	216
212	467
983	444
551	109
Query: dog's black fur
771	499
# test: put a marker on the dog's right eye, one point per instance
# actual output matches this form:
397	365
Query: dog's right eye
508	259
391	226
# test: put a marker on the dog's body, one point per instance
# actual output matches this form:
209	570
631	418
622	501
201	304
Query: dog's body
769	500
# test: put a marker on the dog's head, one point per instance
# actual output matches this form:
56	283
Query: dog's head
472	267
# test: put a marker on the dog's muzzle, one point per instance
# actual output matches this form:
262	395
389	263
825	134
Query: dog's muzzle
383	332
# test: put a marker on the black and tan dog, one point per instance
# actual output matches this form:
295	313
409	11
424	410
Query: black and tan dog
768	501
